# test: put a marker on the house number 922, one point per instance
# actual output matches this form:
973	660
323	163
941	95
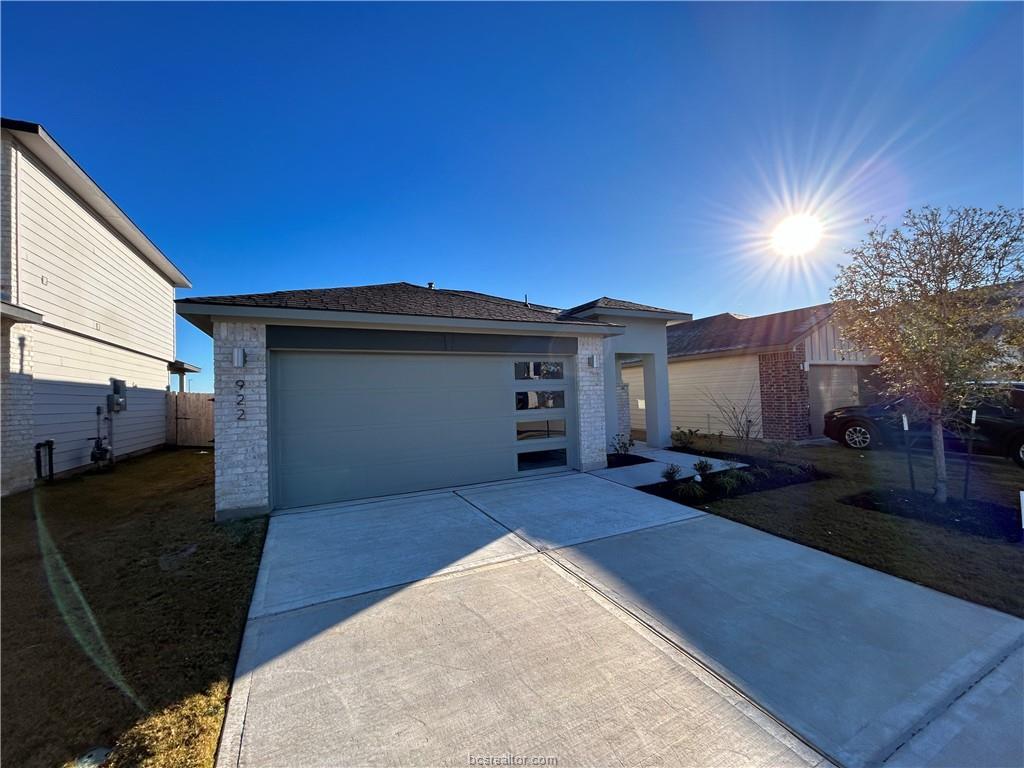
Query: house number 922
240	399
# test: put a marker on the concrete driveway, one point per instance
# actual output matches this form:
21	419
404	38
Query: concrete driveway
574	618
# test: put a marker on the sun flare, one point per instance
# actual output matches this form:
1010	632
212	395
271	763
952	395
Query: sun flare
796	235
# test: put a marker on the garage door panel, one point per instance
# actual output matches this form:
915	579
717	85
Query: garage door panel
831	386
370	408
356	425
398	442
378	371
313	485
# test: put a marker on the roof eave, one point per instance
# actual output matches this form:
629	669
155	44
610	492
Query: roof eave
645	314
180	366
202	317
35	138
731	352
19	314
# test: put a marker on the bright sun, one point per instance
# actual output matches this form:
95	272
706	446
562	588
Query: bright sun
796	235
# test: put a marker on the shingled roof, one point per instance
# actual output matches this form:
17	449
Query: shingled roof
398	299
607	303
729	333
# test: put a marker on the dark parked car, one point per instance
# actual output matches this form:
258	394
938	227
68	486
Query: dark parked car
999	427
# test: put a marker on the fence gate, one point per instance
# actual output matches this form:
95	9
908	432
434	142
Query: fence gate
190	419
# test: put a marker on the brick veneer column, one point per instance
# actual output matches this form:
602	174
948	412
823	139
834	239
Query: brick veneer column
590	403
240	446
17	424
785	397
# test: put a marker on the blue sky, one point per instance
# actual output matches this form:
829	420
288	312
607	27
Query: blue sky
565	151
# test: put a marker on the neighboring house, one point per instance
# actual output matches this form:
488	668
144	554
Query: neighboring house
333	394
784	370
86	299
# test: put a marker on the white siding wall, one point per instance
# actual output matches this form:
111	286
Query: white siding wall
62	261
80	275
825	344
72	376
733	378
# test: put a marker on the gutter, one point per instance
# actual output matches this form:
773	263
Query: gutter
34	138
202	316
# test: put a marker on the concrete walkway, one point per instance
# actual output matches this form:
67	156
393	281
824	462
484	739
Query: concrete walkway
650	472
572	617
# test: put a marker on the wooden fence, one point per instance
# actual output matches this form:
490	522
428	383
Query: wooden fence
190	419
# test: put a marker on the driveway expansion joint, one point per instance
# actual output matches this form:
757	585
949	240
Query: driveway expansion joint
551	555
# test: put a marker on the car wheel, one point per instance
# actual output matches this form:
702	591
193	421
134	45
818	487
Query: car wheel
858	436
1017	451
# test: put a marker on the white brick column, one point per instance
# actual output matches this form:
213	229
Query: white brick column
590	403
17	423
240	420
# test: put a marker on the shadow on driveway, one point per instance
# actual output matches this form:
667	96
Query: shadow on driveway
547	618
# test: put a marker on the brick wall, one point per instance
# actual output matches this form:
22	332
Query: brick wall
785	398
241	449
590	400
17	463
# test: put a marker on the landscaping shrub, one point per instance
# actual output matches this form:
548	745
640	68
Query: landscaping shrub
690	491
684	438
703	467
621	444
671	473
730	481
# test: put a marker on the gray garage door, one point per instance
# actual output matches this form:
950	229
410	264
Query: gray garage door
356	425
833	386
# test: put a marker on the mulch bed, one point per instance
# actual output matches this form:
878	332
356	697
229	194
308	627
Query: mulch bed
981	518
773	475
625	460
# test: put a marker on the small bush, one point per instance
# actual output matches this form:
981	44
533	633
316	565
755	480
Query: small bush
684	438
703	467
690	491
726	482
671	473
622	444
743	476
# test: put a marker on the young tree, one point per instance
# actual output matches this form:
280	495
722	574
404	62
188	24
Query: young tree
939	300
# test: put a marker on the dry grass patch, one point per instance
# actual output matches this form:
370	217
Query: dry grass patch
122	614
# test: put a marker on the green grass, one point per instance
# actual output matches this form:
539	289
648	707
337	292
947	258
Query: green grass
983	570
123	608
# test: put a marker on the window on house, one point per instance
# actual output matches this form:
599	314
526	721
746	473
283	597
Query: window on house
528	401
537	430
539	370
542	459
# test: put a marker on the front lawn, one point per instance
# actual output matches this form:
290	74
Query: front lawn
123	608
979	568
